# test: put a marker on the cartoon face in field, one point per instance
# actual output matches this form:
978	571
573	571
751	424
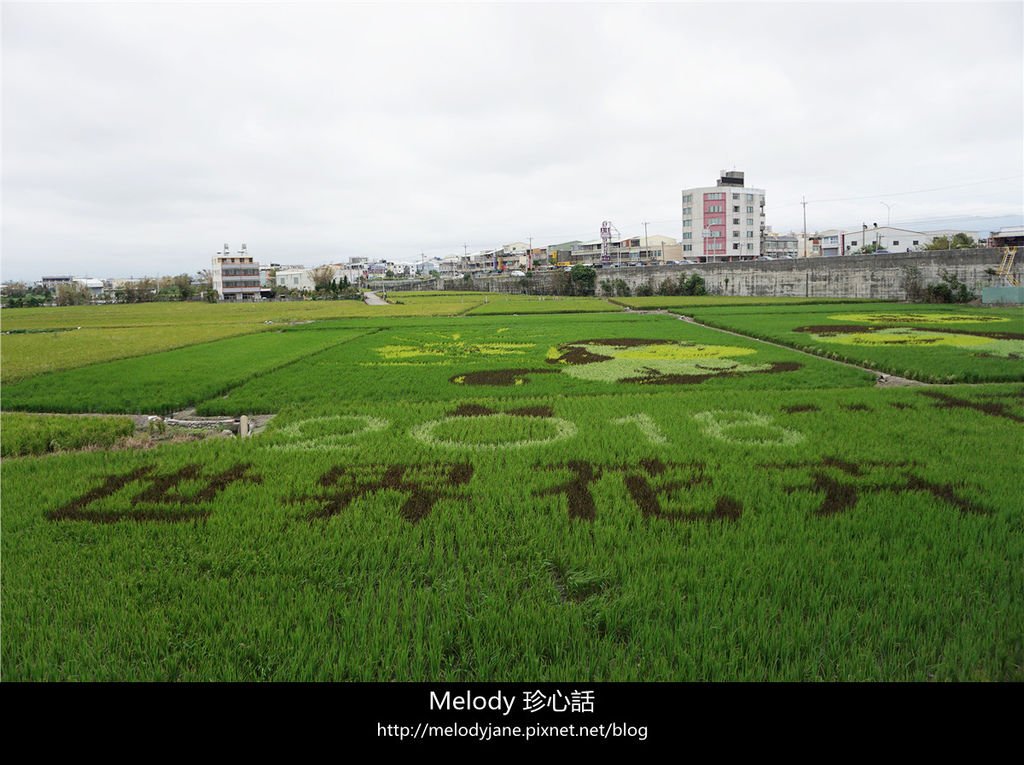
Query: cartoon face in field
645	361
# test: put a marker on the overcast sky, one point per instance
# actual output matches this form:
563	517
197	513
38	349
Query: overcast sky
138	138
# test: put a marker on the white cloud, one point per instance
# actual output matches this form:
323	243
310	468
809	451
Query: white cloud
141	137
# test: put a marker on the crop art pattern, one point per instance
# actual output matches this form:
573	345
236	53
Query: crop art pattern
1002	344
657	362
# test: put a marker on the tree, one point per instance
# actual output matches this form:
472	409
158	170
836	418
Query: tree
583	280
323	276
956	242
205	279
20	295
73	294
694	285
949	290
912	283
140	291
621	288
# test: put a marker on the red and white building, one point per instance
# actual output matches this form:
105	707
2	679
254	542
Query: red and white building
723	222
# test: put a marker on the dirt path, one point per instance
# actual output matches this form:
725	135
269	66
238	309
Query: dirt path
372	298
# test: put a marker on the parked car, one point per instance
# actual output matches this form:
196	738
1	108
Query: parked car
517	273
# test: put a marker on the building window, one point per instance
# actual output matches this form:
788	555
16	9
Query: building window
750	197
736	208
915	243
687	223
687	198
735	234
687	235
750	235
735	221
750	209
853	242
735	196
750	221
687	248
687	211
750	246
736	245
895	242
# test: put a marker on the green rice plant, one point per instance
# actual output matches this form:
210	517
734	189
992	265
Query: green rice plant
497	303
24	434
166	381
929	343
530	356
182	314
35	352
673	535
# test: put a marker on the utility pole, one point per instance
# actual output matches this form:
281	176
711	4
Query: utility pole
646	245
804	203
888	207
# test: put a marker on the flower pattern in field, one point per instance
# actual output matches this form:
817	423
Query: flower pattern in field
1003	346
447	348
898	317
633	360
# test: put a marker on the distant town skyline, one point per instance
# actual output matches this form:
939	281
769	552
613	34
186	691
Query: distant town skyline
137	138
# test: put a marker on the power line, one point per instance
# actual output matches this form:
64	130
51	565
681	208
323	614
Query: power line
900	193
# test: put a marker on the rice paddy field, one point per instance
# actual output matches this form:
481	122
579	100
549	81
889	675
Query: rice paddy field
934	343
527	495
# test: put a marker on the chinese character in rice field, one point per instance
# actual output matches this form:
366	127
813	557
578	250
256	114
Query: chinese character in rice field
422	486
841	483
178	496
658	362
653	485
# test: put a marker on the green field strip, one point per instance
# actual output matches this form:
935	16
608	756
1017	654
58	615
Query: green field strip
34	434
632	545
531	356
499	305
40	351
933	344
170	380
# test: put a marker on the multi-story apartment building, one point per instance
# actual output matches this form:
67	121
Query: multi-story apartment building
781	245
630	249
723	222
236	277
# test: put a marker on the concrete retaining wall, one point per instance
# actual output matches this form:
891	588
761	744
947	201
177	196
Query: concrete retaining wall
880	277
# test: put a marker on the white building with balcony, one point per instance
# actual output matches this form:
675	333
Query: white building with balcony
236	277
